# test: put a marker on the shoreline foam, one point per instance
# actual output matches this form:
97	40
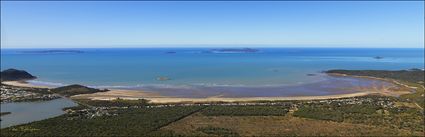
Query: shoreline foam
157	98
217	99
23	84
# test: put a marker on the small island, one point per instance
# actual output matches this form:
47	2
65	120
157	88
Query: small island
310	74
52	51
163	78
378	57
234	50
170	52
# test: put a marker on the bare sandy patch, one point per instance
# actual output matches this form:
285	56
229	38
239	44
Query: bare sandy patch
23	84
156	98
276	126
116	93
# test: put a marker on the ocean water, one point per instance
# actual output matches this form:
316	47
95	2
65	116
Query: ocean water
199	68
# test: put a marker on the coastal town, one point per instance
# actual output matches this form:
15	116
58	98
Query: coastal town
89	111
20	94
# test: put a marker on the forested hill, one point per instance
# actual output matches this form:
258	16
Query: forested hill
412	75
75	89
15	75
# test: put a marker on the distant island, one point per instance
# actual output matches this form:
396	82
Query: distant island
170	52
163	78
233	50
378	57
53	51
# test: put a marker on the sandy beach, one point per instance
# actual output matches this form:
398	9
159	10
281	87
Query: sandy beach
117	93
23	84
157	98
221	99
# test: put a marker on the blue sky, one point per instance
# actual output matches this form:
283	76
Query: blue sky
208	24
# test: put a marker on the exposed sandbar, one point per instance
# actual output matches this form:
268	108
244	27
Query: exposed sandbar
23	84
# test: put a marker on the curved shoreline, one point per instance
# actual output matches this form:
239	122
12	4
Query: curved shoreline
375	78
216	99
23	84
156	98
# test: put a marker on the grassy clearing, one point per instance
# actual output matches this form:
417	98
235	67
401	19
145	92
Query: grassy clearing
401	117
277	126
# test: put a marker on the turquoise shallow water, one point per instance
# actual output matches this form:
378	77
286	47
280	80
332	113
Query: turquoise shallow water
194	67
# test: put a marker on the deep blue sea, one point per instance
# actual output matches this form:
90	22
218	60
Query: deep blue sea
188	67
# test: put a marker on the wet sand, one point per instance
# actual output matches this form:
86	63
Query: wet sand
23	84
157	97
327	85
117	93
132	96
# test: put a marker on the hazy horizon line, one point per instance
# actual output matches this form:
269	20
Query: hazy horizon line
219	46
204	47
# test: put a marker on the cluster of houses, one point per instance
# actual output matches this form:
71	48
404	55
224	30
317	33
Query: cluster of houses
88	113
378	101
12	94
223	104
93	112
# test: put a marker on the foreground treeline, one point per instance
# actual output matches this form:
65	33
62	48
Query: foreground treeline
369	115
114	103
128	122
371	110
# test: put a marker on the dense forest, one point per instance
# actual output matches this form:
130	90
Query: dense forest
128	122
412	75
75	89
369	110
114	103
